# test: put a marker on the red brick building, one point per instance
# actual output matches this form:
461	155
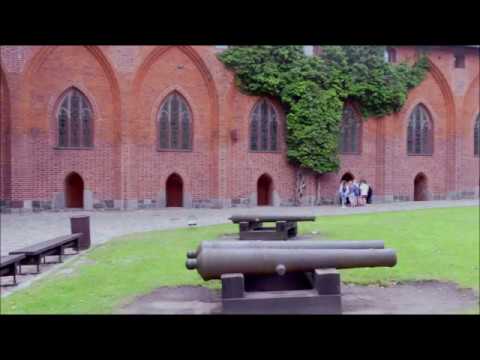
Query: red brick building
153	126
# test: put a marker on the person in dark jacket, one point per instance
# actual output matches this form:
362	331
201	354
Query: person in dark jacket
369	195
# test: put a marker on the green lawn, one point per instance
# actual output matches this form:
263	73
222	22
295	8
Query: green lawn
440	244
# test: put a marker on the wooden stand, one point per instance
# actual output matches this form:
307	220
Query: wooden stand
254	230
323	296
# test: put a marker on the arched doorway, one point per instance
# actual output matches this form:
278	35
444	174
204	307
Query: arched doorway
347	177
420	186
174	190
74	191
264	190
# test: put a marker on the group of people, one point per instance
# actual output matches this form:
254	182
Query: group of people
354	193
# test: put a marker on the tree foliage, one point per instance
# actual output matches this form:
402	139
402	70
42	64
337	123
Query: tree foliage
313	90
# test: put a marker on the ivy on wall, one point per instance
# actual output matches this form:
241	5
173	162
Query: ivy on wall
313	90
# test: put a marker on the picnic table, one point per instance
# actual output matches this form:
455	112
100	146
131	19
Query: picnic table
252	228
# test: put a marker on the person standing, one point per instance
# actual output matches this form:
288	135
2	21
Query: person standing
352	191
364	192
369	195
357	193
343	191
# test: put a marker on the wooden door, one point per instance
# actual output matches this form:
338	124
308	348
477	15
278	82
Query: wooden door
174	191
264	191
74	191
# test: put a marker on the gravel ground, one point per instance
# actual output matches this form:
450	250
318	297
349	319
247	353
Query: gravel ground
18	230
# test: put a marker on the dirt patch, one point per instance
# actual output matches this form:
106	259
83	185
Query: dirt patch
422	297
176	300
419	297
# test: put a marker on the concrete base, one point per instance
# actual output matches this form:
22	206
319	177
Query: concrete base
27	205
308	201
284	302
382	198
317	293
59	201
466	194
252	199
161	201
276	200
131	204
118	204
187	201
88	199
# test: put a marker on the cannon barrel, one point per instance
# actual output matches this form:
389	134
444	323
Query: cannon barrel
270	218
294	244
212	263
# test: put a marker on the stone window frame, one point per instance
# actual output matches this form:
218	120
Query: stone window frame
430	135
359	134
58	108
271	106
158	124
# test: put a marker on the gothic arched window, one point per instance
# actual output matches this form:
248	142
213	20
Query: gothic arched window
350	131
264	127
390	55
175	123
74	118
476	137
420	132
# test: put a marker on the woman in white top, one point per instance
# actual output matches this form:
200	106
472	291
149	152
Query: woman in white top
363	192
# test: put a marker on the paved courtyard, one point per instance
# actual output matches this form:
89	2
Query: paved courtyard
18	230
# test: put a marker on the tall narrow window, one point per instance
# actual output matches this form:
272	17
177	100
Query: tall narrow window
390	55
74	119
175	123
350	131
476	137
264	127
459	61
420	132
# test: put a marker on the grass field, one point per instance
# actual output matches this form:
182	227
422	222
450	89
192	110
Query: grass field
441	244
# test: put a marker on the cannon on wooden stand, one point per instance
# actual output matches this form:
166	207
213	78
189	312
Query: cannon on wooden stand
262	276
319	292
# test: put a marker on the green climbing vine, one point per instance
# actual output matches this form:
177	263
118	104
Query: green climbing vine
313	90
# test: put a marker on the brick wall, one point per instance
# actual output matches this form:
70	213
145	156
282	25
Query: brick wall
127	84
5	157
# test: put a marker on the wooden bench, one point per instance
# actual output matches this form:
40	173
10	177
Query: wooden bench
8	265
251	226
34	253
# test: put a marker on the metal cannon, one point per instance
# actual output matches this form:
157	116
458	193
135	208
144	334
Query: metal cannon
212	263
298	244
